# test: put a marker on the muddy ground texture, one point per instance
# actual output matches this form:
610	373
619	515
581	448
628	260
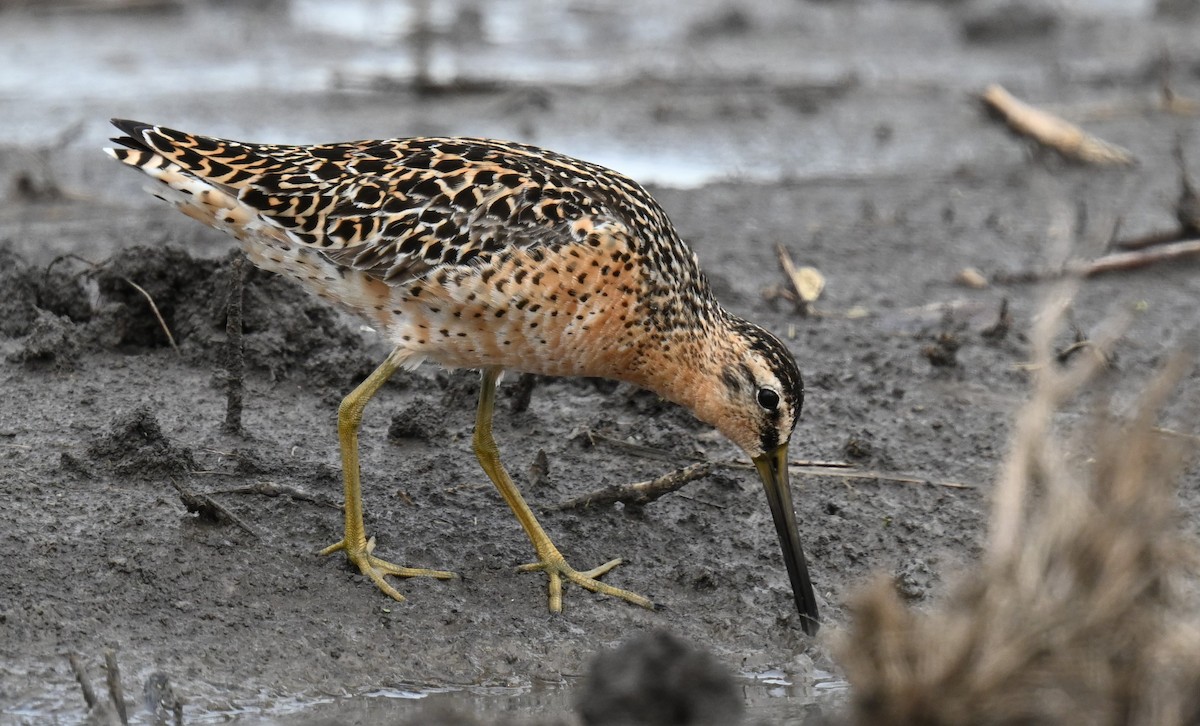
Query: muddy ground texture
104	423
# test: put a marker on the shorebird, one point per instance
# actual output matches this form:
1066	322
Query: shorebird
476	253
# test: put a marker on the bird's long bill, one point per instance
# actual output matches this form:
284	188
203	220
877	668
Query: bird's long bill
773	468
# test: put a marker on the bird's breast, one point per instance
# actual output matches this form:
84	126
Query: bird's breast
570	311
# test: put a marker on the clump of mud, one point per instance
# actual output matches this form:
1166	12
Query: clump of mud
29	291
422	420
135	446
659	679
1079	611
51	342
148	298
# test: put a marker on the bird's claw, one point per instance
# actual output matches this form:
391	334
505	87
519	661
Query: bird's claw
376	568
557	569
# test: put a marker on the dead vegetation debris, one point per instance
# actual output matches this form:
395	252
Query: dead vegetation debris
159	699
943	351
805	283
1052	132
1187	212
1077	613
210	509
1004	323
640	493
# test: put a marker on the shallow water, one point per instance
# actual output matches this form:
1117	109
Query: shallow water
738	62
770	697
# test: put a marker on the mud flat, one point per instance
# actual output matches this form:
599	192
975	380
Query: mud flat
878	167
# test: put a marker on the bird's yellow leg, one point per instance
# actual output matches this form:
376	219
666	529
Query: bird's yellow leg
354	543
550	560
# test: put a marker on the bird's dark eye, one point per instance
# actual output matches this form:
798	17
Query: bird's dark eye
768	399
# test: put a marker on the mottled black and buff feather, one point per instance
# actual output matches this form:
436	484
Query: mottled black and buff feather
490	254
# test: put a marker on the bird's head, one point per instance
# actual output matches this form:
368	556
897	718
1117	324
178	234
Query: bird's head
756	393
750	388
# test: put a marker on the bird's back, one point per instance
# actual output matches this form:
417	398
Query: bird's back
437	240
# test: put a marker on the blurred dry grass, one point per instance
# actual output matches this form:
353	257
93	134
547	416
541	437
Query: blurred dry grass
1084	610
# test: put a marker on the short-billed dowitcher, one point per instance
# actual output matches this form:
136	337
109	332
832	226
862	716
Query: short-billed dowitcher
494	255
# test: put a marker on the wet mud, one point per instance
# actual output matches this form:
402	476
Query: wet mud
106	427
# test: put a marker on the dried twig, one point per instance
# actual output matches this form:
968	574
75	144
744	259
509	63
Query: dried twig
640	493
154	308
807	282
1153	239
273	489
1132	260
235	359
1053	132
648	452
880	476
94	266
85	683
1115	262
811	467
209	508
1004	323
115	691
1187	211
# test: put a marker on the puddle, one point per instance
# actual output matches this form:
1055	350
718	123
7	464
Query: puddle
770	696
756	75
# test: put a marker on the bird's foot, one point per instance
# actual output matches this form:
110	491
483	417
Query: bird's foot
557	569
375	568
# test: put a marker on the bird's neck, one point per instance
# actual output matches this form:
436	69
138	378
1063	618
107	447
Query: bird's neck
685	368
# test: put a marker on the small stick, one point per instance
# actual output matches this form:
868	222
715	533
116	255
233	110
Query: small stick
880	476
640	493
1115	262
845	471
811	467
85	684
1134	259
115	691
1053	132
648	452
98	265
157	314
1148	240
1187	211
807	282
208	507
272	489
1175	434
235	360
1004	323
